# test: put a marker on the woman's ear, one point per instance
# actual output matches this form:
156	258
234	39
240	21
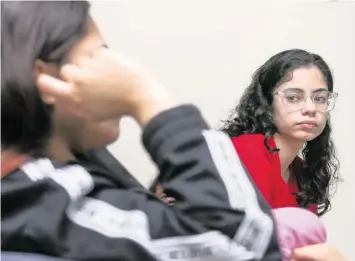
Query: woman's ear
51	69
39	67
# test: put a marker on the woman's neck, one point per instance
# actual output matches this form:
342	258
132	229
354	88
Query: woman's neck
288	152
59	150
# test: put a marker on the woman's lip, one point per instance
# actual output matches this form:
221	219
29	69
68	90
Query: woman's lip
311	123
307	125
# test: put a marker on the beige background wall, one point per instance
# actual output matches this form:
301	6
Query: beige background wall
206	51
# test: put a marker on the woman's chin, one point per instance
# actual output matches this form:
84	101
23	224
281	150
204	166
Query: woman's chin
305	136
105	135
112	134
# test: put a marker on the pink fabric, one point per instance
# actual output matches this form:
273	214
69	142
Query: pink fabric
298	228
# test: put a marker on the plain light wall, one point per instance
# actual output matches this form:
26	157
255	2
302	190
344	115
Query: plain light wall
206	51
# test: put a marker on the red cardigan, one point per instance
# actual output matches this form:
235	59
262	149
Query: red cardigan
265	169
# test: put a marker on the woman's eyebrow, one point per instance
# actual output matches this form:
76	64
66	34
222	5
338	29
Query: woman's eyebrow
320	90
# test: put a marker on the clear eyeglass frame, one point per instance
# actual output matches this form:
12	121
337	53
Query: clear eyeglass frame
323	101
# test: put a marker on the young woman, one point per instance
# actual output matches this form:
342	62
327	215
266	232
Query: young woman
56	204
281	130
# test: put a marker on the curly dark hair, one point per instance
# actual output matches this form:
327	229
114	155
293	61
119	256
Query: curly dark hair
254	115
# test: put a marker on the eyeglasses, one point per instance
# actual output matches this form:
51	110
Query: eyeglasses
294	99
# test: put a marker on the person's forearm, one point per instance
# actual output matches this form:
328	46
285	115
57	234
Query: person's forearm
199	168
150	104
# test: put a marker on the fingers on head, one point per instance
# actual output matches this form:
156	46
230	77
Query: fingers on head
50	85
72	73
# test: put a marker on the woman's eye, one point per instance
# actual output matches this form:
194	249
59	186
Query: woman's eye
293	98
321	99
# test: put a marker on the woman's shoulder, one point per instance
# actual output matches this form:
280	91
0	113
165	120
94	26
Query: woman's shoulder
251	148
258	160
250	138
253	141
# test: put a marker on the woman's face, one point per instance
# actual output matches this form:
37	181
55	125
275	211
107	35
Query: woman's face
301	105
78	133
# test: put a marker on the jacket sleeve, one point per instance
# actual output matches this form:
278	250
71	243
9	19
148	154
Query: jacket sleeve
118	172
200	169
217	215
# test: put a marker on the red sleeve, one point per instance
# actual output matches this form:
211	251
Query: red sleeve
257	160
